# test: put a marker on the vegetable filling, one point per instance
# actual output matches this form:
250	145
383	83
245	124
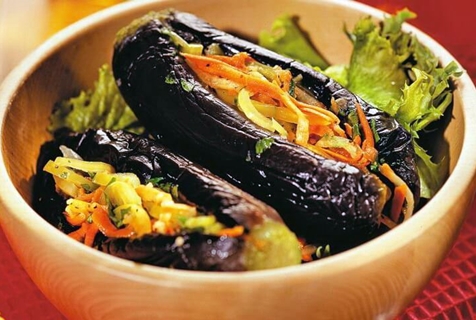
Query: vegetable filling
119	206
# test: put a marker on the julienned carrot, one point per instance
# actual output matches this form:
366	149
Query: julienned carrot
368	144
100	218
364	123
221	69
358	140
388	172
397	202
370	152
306	250
80	233
232	74
239	60
349	130
210	66
90	234
92	196
355	161
235	231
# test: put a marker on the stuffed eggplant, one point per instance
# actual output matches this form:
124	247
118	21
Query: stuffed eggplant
132	198
197	89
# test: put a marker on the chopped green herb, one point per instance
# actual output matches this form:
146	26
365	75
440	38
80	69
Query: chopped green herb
354	122
87	187
169	187
155	181
182	220
374	130
125	211
166	186
292	88
99	107
112	181
374	166
263	144
89	219
118	221
174	192
355	130
64	175
186	86
169	79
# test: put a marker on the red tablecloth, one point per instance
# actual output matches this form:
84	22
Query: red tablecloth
450	295
452	292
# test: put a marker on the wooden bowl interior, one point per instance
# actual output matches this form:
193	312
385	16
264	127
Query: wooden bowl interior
73	66
69	62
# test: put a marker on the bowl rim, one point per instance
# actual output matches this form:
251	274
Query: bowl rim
461	179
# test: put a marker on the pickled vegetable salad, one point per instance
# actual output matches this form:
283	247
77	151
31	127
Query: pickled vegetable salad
119	206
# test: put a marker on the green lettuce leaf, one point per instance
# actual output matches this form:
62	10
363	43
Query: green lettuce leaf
102	107
431	173
288	39
390	69
395	72
374	70
338	72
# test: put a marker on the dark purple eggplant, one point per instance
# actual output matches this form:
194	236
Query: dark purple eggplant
322	200
394	145
194	185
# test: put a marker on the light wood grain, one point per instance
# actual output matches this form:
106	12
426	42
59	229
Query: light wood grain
374	281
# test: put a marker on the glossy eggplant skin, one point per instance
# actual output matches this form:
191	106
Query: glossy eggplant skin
146	158
322	200
198	251
395	143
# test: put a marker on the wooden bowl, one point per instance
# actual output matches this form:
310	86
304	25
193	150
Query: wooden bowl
375	280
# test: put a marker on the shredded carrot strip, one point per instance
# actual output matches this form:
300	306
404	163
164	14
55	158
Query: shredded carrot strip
201	64
101	219
307	252
232	74
264	99
336	155
388	172
369	151
348	130
90	197
320	131
90	234
397	202
82	195
97	194
239	60
338	130
80	233
235	231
